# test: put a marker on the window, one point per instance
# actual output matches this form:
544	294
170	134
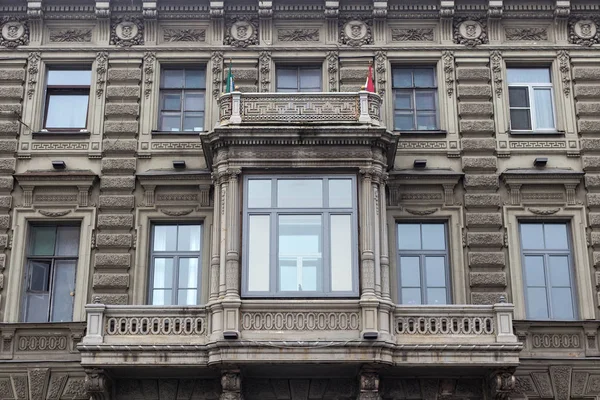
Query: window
182	98
415	99
67	98
299	79
547	269
300	236
530	98
175	259
50	278
423	273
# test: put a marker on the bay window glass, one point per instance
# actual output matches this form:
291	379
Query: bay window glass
299	79
530	99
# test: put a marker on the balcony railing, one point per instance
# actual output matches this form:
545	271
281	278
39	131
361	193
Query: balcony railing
299	108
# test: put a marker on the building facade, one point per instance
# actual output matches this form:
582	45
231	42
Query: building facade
298	237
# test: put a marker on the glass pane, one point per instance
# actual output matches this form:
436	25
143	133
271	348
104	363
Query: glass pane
404	122
411	296
299	247
37	307
170	122
69	77
194	102
259	193
403	100
424	77
534	271
67	241
537	305
171	101
188	238
259	250
193	122
435	271
562	303
188	273
410	274
43	238
162	297
520	120
436	296
532	236
528	75
310	78
195	78
560	273
518	96
163	273
402	78
544	113
299	193
165	237
287	78
340	193
555	236
425	100
426	121
64	291
187	297
39	276
288	275
341	255
409	236
67	111
172	78
434	236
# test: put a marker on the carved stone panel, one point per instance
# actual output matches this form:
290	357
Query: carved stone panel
13	32
356	31
584	31
470	31
298	35
82	35
412	34
127	31
241	31
184	35
534	34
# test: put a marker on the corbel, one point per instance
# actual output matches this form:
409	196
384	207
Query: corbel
515	193
8	335
149	191
562	9
83	195
447	9
27	196
204	195
332	8
217	9
265	15
380	8
149	9
501	384
449	193
495	8
34	9
570	189
102	8
98	384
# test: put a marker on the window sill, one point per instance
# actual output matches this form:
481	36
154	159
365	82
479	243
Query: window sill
60	133
536	133
176	133
432	132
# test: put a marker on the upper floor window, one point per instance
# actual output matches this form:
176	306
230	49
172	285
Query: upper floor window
300	236
423	272
175	260
52	254
299	79
182	99
415	99
530	99
547	269
67	99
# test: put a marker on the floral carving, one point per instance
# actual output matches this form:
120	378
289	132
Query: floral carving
149	59
184	35
176	213
54	214
544	211
412	35
33	65
101	68
496	60
356	31
425	211
470	31
530	34
127	31
71	35
217	70
380	67
332	69
241	31
14	32
564	62
448	60
264	61
298	35
584	31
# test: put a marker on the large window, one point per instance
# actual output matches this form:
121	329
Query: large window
423	273
182	98
415	99
52	254
547	269
300	236
67	98
299	79
530	99
175	264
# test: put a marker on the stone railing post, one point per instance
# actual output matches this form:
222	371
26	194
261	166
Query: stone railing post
504	323
95	324
236	100
363	101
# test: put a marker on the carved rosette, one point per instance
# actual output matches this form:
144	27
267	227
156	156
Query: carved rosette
448	60
127	31
496	61
332	69
101	68
216	60
356	31
241	31
564	64
584	30
14	32
33	65
264	61
470	31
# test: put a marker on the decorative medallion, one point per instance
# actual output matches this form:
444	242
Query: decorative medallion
127	31
15	32
470	31
241	32
355	32
584	32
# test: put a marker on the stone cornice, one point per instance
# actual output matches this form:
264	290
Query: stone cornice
541	177
53	178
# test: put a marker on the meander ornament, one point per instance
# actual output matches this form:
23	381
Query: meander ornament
15	32
355	32
127	31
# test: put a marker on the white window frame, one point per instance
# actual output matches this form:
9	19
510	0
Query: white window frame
531	87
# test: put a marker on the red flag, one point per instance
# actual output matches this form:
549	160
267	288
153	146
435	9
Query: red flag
370	85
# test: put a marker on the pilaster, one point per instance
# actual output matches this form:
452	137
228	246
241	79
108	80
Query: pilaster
231	303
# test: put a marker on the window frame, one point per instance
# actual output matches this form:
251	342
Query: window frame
531	87
29	258
182	92
298	68
63	90
324	212
422	254
545	253
175	255
413	90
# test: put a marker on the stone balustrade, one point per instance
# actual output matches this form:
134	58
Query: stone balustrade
300	108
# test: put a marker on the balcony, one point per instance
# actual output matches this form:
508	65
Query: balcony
299	108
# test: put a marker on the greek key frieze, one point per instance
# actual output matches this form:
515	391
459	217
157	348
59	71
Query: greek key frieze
541	144
59	146
423	145
176	146
290	109
300	321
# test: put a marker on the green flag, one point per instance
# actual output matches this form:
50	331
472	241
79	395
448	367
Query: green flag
229	87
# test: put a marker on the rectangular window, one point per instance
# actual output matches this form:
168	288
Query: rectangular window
182	99
300	236
299	79
530	98
67	99
52	254
175	265
415	99
547	271
423	272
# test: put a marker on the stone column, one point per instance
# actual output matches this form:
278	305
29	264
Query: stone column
231	385
232	302
368	385
384	256
98	384
216	240
223	184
